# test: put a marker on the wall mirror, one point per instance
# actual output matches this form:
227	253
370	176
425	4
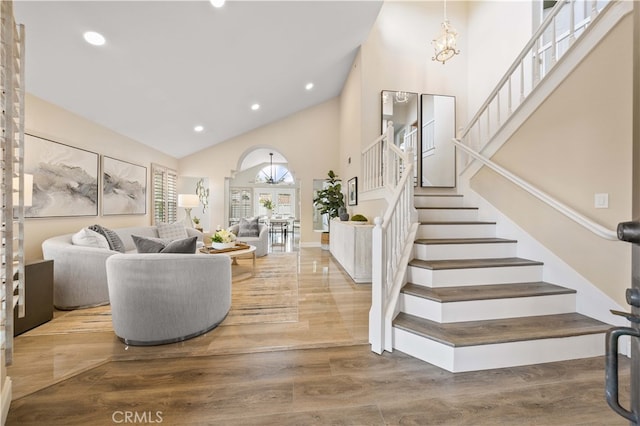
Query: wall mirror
438	154
401	108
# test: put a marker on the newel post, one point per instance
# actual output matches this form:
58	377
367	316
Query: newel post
376	314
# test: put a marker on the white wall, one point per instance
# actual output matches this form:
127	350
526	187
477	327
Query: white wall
49	121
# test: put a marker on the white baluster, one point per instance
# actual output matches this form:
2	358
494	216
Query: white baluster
378	276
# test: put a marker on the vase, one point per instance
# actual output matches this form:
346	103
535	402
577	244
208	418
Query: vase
222	246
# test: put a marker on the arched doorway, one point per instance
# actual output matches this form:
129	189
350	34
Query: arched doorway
263	173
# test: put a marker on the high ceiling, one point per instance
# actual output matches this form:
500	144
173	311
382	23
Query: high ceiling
168	66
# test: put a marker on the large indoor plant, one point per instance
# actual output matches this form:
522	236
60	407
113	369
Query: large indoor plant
329	200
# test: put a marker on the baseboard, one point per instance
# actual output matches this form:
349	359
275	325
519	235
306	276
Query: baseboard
310	245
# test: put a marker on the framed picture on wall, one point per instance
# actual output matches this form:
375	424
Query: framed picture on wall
352	191
65	179
124	187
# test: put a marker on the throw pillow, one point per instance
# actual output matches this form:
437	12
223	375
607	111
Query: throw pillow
115	243
186	245
172	231
147	245
248	227
157	245
88	238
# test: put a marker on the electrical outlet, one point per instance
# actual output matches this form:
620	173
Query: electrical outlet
601	201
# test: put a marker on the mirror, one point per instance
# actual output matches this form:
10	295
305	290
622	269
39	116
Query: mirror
438	154
401	108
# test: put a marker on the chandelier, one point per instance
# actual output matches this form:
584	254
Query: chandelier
445	43
402	97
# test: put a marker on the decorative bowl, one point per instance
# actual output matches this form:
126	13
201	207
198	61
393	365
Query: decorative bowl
222	246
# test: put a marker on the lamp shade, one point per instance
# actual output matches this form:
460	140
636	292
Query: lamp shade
28	190
188	201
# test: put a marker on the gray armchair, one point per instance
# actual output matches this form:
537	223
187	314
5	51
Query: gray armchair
163	298
261	242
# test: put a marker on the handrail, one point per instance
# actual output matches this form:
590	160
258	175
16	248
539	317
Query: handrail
578	218
514	66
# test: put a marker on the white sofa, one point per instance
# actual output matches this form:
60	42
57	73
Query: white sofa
79	272
166	298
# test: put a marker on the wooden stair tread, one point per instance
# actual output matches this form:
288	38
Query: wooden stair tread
435	241
464	222
473	263
447	208
488	332
485	292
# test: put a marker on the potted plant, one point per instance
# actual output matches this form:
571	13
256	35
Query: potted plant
196	221
329	200
223	239
268	204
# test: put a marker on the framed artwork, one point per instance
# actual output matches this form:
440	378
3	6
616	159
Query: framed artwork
352	191
65	179
124	187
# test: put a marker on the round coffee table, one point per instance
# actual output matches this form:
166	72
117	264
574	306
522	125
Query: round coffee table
239	273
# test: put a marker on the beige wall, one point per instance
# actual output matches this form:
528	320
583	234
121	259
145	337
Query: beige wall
307	139
576	144
397	56
49	121
493	48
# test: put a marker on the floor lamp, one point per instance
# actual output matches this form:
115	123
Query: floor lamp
188	201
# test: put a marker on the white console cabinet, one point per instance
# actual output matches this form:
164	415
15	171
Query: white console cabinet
350	245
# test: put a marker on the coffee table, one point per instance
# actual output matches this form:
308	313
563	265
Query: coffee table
245	253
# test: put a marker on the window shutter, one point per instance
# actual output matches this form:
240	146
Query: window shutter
165	196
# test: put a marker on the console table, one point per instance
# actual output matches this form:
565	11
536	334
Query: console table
38	296
350	245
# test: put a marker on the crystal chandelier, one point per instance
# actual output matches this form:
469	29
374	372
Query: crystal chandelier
445	43
402	97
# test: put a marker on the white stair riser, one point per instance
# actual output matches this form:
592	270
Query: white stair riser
464	251
437	201
479	310
476	230
444	215
502	355
474	276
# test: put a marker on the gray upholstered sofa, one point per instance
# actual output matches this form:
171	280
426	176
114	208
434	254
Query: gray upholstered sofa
166	298
79	273
261	242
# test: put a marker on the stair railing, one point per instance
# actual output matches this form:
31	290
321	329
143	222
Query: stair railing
392	240
375	161
536	60
580	219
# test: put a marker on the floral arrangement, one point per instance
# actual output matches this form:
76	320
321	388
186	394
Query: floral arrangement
267	204
223	236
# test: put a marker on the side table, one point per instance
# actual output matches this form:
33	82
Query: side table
38	288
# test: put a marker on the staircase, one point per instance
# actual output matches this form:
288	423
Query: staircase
471	304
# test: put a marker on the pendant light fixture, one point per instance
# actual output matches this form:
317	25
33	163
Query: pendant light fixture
445	43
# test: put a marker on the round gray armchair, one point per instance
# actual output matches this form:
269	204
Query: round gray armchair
166	298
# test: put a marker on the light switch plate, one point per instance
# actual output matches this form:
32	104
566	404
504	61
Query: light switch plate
601	201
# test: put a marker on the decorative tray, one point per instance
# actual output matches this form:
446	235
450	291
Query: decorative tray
211	250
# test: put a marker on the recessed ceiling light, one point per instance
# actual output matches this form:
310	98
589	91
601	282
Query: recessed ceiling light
309	86
217	3
198	129
94	38
255	107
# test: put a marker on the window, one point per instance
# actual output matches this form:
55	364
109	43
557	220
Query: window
165	194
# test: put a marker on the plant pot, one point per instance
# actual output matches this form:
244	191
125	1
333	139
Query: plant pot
324	241
222	246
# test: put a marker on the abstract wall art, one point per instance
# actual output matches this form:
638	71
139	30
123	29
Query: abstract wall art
124	187
65	179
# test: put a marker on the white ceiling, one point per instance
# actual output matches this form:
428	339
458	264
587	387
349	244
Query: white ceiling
170	65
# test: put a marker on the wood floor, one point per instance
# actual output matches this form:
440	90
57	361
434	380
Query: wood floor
292	352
